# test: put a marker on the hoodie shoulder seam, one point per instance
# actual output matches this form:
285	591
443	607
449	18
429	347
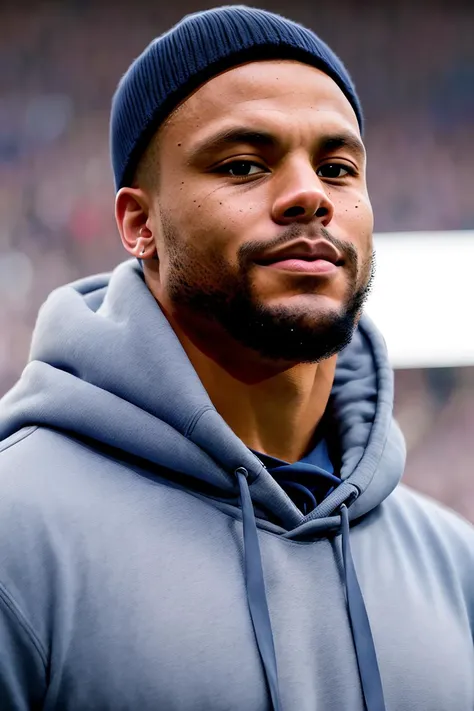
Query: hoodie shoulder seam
7	601
17	437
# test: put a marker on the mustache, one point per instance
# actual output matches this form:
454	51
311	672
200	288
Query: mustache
250	250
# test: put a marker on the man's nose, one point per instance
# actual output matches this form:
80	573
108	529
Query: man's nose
301	196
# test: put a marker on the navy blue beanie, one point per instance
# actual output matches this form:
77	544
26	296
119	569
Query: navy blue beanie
198	48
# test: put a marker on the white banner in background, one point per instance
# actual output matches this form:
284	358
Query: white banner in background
423	297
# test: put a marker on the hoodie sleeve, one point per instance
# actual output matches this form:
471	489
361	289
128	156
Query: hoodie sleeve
22	660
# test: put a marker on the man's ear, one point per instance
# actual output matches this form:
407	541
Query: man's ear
132	212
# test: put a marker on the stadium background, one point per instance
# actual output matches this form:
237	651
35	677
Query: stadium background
413	64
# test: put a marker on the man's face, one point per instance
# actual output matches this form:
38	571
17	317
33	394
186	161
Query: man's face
262	220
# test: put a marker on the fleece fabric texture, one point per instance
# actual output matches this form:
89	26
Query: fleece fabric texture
122	559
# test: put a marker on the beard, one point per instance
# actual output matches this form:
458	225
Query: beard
210	289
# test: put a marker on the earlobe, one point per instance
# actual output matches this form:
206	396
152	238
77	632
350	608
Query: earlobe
145	244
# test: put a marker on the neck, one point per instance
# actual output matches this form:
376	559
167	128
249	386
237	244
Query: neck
277	415
273	410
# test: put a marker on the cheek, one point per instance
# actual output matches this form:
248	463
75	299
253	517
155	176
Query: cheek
355	216
364	213
362	208
362	228
212	225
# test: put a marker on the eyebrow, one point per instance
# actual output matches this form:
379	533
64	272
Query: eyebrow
330	143
263	139
232	137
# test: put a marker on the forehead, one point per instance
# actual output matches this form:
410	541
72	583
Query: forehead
277	91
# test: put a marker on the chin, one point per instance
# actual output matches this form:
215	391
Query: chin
307	304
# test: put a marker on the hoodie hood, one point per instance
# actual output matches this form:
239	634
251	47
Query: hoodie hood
106	365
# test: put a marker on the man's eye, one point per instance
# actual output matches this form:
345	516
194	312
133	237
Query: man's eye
241	168
334	170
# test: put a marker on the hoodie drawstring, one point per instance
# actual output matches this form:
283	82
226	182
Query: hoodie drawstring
257	601
256	596
361	633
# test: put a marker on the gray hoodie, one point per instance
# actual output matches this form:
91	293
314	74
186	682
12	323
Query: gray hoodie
148	560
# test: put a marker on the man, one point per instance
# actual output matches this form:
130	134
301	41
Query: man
199	472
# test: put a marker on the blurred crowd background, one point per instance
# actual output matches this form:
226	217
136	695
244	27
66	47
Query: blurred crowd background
413	64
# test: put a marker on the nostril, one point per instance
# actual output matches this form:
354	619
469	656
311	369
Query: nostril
321	212
294	211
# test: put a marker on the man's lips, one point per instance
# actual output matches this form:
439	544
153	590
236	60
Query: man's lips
304	256
308	266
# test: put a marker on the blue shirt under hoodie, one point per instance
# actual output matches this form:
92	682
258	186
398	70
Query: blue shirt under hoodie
309	480
148	560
